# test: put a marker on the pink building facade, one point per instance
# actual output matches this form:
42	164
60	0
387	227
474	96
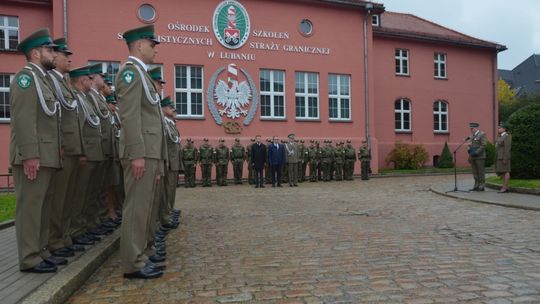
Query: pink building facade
323	69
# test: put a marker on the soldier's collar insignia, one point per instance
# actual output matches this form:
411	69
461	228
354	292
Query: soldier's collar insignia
128	76
24	81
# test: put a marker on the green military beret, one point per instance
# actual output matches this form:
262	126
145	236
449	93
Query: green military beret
155	74
143	32
110	98
166	102
78	72
62	46
36	39
97	69
474	125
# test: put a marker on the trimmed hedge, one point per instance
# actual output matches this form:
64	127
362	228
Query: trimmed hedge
446	160
405	156
524	125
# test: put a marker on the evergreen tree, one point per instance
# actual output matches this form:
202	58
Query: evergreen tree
446	160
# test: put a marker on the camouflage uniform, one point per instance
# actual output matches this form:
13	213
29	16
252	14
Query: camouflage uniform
313	159
338	161
238	156
189	159
206	159
350	160
222	163
365	158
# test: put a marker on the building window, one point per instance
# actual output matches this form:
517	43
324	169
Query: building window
402	112
147	13
440	65
339	97
307	95
440	116
109	67
5	113
402	62
9	33
189	90
272	91
306	27
376	20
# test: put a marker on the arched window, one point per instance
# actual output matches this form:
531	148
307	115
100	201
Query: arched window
440	116
402	112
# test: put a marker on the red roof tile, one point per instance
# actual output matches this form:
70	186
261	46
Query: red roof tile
413	27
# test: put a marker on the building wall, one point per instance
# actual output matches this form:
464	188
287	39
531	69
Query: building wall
468	90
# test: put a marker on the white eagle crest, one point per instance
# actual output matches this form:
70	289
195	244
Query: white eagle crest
234	99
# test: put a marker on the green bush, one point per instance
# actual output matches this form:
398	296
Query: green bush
491	153
445	160
524	125
405	156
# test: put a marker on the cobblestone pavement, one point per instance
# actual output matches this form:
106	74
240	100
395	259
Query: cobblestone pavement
382	241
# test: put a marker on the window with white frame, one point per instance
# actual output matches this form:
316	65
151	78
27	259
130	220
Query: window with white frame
440	65
339	96
9	32
402	62
376	20
307	95
188	90
402	114
5	112
272	84
109	67
440	116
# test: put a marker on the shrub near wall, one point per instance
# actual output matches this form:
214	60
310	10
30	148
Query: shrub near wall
446	160
405	156
524	125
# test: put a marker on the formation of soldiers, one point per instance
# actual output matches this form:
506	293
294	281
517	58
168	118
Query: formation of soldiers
315	162
86	160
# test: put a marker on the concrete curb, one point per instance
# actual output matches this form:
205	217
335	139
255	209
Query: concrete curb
434	190
515	189
62	285
7	224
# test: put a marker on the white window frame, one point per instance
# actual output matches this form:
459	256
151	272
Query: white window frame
340	96
402	62
189	91
104	68
6	28
401	111
440	114
376	20
6	90
274	94
440	66
306	95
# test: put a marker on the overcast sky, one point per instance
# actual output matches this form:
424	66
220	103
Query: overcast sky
515	24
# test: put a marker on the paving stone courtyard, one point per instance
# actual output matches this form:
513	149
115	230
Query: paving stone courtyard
387	240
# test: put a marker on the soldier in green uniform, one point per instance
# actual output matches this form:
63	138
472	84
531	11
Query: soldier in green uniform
142	151
350	160
222	163
339	161
327	157
206	159
313	160
155	74
302	161
117	179
284	167
238	157
320	164
35	152
267	166
365	159
251	170
477	156
189	158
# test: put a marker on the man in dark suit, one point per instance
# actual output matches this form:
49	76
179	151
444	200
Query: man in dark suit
258	159
276	157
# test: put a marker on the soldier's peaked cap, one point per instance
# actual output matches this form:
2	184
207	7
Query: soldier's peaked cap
155	74
78	72
143	32
97	69
62	46
38	38
166	102
474	125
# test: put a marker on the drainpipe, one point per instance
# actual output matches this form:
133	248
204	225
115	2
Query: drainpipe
65	20
494	88
368	8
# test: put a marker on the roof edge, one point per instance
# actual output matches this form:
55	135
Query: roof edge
376	8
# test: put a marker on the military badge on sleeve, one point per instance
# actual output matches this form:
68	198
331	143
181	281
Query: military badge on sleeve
24	81
128	76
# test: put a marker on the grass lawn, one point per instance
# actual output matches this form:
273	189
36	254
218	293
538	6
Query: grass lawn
520	183
7	207
425	170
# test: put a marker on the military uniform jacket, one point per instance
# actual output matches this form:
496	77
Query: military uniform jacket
99	103
350	154
313	154
90	125
222	155
206	153
302	153
116	128
327	155
173	145
34	134
189	154
71	129
503	145
365	154
291	152
477	147
238	154
338	155
142	129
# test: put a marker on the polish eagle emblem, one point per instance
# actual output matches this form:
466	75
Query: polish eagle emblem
233	96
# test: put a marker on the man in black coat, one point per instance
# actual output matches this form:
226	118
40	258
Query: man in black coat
276	157
258	159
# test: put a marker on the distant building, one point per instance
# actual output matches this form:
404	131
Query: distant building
323	69
524	76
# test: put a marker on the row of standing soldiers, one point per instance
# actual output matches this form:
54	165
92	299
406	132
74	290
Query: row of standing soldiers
326	163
